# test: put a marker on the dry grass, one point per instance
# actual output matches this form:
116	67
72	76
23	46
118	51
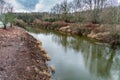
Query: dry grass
20	23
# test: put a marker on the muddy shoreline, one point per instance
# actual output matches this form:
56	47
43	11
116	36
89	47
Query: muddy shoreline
22	56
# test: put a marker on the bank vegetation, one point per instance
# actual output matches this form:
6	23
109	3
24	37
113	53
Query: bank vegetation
98	19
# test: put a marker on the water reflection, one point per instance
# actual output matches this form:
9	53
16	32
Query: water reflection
77	58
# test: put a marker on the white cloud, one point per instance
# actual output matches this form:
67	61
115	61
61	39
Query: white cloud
46	5
119	1
41	6
38	6
17	6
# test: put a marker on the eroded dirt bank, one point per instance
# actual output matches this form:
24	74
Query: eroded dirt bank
21	56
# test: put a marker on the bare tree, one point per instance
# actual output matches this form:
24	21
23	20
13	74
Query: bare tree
3	9
94	11
95	7
78	5
6	13
65	9
10	14
56	10
2	3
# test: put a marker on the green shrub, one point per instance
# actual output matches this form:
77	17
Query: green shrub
27	18
20	23
52	19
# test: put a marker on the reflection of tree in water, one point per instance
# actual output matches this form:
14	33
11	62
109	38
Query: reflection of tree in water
61	40
98	58
116	65
68	42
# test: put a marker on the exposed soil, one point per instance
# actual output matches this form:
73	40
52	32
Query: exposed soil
20	56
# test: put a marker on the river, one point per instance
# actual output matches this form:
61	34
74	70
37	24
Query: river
79	58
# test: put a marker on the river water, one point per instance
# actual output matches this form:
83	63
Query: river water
78	58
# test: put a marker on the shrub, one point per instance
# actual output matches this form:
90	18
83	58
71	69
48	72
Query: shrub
58	24
20	23
28	18
42	24
52	19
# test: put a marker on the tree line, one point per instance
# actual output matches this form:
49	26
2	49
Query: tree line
95	11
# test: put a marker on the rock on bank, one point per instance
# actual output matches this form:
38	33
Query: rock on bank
21	56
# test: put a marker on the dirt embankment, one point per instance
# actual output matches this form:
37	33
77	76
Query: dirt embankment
22	57
103	33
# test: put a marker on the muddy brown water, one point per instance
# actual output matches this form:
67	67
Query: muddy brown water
78	58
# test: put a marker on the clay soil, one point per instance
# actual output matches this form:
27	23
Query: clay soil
20	57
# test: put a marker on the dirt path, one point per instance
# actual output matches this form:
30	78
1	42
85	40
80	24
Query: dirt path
20	57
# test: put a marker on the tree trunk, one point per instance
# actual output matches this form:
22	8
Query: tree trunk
11	25
4	26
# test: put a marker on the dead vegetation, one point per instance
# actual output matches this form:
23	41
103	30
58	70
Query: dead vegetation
20	56
101	32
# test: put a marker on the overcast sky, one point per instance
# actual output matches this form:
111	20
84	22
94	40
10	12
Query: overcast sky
34	5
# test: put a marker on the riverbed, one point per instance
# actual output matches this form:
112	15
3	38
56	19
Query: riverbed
79	58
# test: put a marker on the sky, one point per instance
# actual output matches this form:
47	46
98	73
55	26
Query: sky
34	5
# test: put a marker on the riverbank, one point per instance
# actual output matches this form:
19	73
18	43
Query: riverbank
22	56
102	32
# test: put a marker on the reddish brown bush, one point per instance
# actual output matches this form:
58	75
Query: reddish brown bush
58	24
20	23
40	23
49	25
91	26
